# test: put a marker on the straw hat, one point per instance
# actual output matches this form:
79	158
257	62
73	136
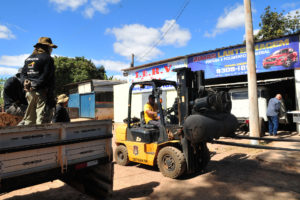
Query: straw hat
45	41
63	98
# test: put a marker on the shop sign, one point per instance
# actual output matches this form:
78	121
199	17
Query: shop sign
273	55
159	72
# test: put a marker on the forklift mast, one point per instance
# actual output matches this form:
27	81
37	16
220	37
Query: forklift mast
190	87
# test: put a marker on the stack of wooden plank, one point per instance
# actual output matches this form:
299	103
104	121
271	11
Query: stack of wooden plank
9	120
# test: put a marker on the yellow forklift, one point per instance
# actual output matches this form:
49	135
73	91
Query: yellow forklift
178	145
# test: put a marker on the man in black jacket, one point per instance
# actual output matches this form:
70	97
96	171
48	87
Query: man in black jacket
14	96
38	77
61	113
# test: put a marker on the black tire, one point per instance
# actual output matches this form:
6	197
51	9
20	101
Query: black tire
171	162
262	127
121	155
288	63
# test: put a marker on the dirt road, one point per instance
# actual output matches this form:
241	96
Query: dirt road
234	173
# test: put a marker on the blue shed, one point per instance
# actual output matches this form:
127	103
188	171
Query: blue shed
92	98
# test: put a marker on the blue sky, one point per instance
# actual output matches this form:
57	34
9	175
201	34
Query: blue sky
109	31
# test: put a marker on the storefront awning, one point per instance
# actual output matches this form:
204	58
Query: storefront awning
244	84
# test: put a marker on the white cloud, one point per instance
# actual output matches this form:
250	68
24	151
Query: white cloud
175	36
100	6
111	65
62	5
254	33
144	41
292	13
5	33
8	71
89	12
92	6
290	5
13	60
232	18
119	77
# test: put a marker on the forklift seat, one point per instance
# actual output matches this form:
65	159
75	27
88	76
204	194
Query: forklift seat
143	122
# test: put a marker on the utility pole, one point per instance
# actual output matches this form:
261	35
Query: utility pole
252	86
132	60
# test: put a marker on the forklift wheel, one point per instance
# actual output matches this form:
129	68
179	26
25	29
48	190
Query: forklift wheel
171	162
121	155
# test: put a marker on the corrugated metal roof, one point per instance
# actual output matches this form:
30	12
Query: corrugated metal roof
154	63
98	82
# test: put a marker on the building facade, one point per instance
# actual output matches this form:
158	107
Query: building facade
277	67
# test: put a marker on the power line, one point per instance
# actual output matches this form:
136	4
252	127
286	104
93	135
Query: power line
165	33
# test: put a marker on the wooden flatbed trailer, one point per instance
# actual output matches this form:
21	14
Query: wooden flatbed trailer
78	153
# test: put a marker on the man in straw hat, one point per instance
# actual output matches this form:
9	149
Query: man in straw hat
39	81
61	113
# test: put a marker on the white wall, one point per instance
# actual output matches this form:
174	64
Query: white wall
297	92
120	102
171	95
84	88
137	104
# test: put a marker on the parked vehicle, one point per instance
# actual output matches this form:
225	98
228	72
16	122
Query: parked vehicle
79	153
282	57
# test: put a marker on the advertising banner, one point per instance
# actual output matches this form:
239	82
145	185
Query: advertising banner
273	55
160	72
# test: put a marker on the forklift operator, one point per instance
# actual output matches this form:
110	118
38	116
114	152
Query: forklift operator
150	112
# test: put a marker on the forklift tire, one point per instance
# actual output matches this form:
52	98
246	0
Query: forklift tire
171	162
121	155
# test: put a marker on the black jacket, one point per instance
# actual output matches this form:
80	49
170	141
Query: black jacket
61	114
13	92
39	69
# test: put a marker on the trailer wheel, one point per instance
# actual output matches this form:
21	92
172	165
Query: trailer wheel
262	127
171	162
121	155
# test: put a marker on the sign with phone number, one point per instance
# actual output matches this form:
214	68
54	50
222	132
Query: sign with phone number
273	55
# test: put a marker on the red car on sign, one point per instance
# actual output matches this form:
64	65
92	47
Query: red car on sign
284	57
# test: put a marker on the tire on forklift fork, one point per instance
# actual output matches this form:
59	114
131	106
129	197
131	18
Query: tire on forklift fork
171	162
121	155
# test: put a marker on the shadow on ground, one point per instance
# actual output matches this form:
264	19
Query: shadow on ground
60	193
237	177
137	191
143	190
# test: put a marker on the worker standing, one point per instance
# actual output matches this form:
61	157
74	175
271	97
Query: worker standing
38	76
273	111
15	102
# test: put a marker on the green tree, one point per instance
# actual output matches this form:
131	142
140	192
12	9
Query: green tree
275	24
72	70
